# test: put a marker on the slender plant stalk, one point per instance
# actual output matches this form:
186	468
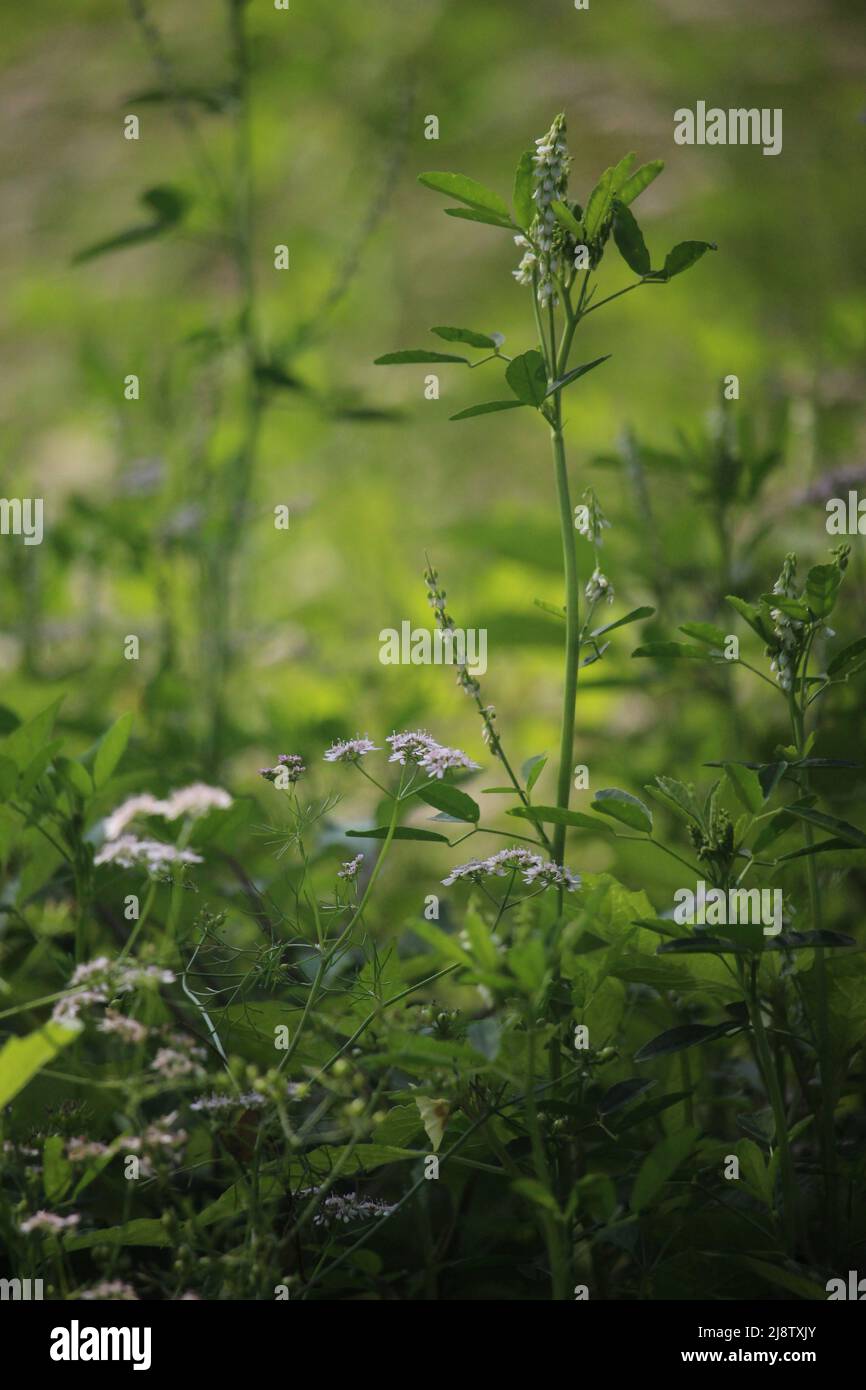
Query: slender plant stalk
826	1103
572	631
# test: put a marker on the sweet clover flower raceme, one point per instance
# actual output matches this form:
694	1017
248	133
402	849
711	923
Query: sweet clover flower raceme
423	750
788	631
533	869
545	245
598	587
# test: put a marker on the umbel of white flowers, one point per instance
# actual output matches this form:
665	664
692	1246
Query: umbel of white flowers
544	250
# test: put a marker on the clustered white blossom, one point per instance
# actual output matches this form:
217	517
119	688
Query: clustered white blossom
535	871
81	1150
349	750
172	1064
101	979
346	1207
111	1290
423	750
787	630
192	801
130	852
544	247
158	1138
250	1100
127	1029
49	1221
350	868
598	587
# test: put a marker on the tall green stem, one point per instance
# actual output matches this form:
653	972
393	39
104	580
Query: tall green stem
827	1101
572	631
777	1102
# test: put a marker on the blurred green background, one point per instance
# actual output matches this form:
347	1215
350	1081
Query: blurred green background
256	641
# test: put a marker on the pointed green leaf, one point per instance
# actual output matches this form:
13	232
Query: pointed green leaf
488	408
753	615
24	743
490	219
746	787
465	190
683	1036
167	206
111	749
822	587
465	335
575	373
598	205
629	240
639	180
403	832
634	616
660	1164
532	770
452	800
666	651
394	359
557	815
705	632
527	377
624	807
851	658
842	829
685	255
22	1058
567	219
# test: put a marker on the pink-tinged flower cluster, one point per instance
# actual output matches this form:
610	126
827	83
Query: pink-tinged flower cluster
127	1029
349	750
172	1064
534	871
423	750
289	769
81	1150
159	1139
350	868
